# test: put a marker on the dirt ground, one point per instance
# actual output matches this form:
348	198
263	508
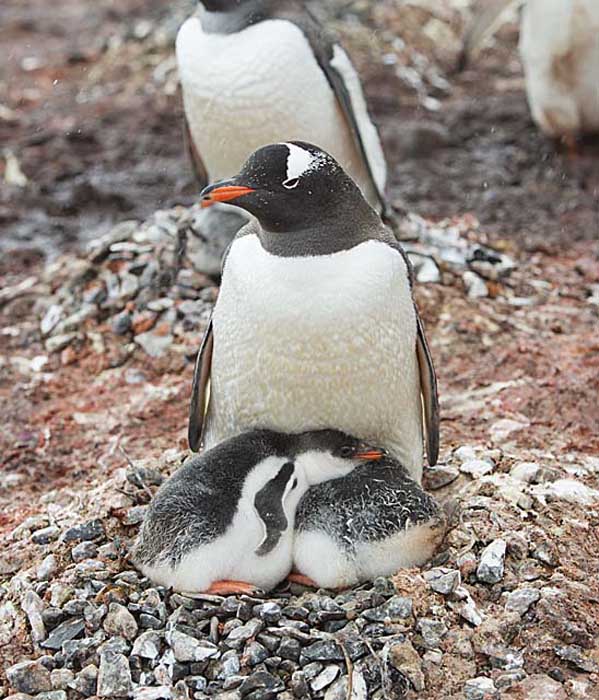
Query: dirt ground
91	111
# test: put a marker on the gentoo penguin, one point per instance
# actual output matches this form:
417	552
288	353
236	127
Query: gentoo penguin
254	72
369	523
315	325
559	48
223	523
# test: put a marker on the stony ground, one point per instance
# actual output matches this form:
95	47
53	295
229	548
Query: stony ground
97	351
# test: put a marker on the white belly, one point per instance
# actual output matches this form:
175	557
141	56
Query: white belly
263	85
317	342
559	45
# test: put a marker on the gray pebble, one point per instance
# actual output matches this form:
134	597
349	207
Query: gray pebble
33	607
520	600
289	649
431	631
481	688
269	612
147	645
187	648
46	535
114	676
255	653
91	530
324	678
84	550
120	621
241	634
29	677
70	629
491	564
442	580
60	678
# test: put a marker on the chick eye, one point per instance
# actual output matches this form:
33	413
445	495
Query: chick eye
294	484
346	451
291	183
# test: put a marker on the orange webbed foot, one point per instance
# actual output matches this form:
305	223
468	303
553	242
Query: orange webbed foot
296	577
227	587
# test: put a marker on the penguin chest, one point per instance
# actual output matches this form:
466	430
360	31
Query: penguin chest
258	86
317	342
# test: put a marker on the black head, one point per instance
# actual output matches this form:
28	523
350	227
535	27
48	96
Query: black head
339	444
289	187
222	5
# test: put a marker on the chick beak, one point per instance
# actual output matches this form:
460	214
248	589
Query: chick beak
368	452
224	191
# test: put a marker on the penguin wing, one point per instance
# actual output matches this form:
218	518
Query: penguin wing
197	164
268	503
428	390
200	390
345	83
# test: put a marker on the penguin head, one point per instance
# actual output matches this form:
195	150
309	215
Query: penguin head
221	5
330	454
288	186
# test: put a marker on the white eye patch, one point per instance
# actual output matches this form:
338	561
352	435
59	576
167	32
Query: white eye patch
298	161
291	184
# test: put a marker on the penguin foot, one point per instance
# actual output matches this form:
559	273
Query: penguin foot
302	580
226	587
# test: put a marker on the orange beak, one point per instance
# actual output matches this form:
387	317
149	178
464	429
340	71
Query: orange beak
370	453
223	193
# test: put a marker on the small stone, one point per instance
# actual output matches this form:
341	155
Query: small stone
261	680
187	648
289	649
120	621
46	535
397	607
91	530
481	688
48	567
431	631
442	580
255	653
51	318
86	681
299	686
29	677
525	471
84	550
330	650
339	690
324	678
61	677
114	676
228	665
52	695
476	287
134	515
405	659
161	692
520	600
121	323
440	476
153	344
536	687
56	343
241	634
33	607
491	565
70	629
269	612
575	655
477	467
147	645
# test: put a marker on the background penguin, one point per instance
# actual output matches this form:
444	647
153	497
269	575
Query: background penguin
223	523
369	523
559	48
315	325
255	72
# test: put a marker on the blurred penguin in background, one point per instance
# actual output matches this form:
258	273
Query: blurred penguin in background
254	72
559	48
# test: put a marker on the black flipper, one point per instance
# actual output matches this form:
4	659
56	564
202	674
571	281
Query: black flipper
428	390
269	506
197	164
199	390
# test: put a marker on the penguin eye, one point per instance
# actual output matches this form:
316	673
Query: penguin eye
346	452
291	183
294	484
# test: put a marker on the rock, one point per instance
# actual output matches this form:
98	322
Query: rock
521	599
576	656
114	676
134	515
405	659
153	693
261	680
60	678
476	287
86	681
569	490
425	268
33	607
289	649
187	648
440	476
121	323
70	629
481	688
228	665
255	653
147	645
92	530
52	695
153	344
120	622
269	612
324	678
330	650
29	677
491	565
397	607
536	687
48	567
84	550
431	631
241	634
46	535
477	467
442	580
50	318
525	471
339	690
